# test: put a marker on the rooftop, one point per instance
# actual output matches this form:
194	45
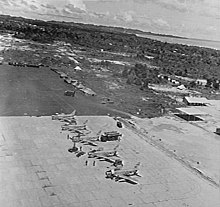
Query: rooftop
196	99
192	111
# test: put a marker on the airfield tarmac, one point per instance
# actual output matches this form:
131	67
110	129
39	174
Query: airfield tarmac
37	170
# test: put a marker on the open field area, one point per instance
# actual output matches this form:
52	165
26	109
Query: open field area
37	170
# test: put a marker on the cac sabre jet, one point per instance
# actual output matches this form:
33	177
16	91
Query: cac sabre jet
124	174
69	120
103	154
91	140
63	116
87	140
73	127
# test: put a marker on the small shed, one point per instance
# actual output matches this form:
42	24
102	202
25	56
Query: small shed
77	68
201	82
181	87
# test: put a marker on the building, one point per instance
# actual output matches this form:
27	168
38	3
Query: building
191	114
195	101
201	82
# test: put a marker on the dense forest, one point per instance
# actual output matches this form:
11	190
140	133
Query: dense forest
182	60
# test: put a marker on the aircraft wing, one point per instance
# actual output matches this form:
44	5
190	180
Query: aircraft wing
89	142
127	179
108	159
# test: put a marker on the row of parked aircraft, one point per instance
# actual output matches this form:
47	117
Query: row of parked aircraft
118	173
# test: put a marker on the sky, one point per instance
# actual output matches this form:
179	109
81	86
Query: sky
189	18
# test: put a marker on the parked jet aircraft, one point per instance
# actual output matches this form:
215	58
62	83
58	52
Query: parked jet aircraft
73	127
91	140
124	175
88	140
63	116
103	154
69	120
118	163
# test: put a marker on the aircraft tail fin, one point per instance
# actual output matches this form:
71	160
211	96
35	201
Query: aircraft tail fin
116	146
85	122
99	133
73	113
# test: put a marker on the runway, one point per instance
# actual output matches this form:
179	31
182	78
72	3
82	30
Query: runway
40	92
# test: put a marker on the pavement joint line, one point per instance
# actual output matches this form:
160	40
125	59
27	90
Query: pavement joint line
169	153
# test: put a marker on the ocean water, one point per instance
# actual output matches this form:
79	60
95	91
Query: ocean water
192	42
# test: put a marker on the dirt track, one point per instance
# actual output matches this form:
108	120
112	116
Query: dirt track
40	92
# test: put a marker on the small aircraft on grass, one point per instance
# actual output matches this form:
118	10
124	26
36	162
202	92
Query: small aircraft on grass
63	116
124	174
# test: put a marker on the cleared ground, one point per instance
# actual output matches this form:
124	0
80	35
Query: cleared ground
196	146
37	170
40	92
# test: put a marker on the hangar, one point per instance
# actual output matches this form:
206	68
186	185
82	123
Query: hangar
191	114
195	101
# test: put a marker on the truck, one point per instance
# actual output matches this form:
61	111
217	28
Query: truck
217	131
110	136
70	93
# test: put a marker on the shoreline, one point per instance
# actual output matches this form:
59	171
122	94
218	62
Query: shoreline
180	41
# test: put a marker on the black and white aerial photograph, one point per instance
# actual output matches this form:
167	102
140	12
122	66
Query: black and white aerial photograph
109	103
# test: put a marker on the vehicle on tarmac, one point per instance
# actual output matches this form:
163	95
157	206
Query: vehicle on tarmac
110	136
63	116
69	93
124	174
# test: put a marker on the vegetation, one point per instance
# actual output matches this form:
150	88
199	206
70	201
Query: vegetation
182	60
